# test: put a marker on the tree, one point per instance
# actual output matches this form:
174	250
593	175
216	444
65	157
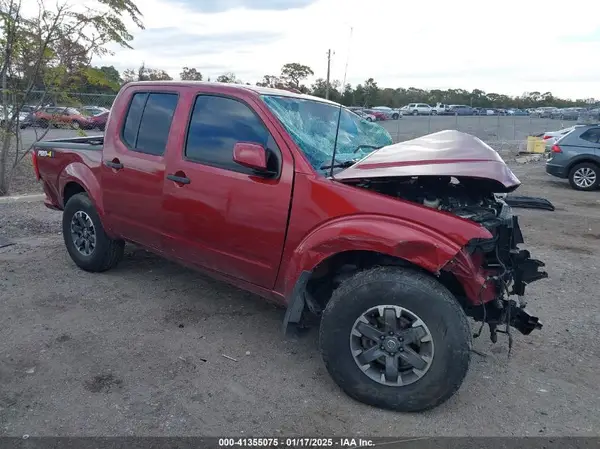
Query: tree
228	77
50	51
292	73
370	94
144	73
190	74
271	81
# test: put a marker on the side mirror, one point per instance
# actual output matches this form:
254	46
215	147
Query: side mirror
251	155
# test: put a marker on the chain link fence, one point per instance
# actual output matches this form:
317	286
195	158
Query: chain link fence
503	133
63	99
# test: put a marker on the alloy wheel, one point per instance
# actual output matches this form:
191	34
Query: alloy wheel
83	233
584	177
392	345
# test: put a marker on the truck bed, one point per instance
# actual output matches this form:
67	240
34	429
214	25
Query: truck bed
57	161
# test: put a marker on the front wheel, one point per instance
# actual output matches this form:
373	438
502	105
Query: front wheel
395	116
86	241
434	112
395	338
75	124
415	112
584	177
369	119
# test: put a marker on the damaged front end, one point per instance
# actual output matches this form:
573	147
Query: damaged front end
504	272
456	173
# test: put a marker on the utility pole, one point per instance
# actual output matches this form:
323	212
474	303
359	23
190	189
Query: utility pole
328	72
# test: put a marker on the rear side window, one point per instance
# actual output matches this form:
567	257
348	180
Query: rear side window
591	135
148	122
216	125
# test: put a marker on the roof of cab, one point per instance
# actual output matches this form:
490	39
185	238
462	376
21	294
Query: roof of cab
231	86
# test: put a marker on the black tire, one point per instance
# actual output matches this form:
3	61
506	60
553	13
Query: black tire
107	252
588	168
75	125
415	112
43	123
434	112
424	296
369	119
395	116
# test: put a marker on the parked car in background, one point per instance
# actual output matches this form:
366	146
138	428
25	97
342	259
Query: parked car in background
377	114
545	112
362	114
461	109
392	113
99	121
24	118
550	137
576	157
61	116
567	113
93	110
517	112
416	109
440	109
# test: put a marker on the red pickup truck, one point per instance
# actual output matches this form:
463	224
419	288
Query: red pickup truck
389	247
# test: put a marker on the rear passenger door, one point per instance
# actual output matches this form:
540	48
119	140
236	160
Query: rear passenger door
133	167
227	219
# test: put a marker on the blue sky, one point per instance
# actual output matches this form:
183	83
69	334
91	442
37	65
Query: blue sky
429	44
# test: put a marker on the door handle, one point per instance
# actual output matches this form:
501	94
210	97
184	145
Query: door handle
178	179
112	164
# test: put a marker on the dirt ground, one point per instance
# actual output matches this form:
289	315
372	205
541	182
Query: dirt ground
140	350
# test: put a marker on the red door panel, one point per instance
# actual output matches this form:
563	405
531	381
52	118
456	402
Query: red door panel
133	168
226	219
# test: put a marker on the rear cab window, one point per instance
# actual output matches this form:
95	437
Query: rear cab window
148	122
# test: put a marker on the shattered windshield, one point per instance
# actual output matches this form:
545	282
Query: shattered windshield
312	124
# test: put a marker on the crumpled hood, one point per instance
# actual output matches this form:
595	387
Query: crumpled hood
444	153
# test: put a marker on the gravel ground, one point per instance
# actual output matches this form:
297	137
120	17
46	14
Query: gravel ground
139	350
506	134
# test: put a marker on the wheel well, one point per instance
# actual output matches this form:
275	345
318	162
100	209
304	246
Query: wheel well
331	272
582	161
72	188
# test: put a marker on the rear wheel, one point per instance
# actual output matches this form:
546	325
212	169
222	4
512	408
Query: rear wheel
584	176
434	112
369	119
87	243
415	112
395	116
395	338
75	124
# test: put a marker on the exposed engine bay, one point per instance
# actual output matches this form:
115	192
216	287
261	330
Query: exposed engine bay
508	268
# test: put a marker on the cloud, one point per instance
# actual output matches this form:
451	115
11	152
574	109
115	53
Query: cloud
215	6
174	42
399	44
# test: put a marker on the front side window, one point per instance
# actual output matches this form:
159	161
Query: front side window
312	124
216	125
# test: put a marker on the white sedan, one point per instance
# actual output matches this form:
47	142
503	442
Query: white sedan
365	116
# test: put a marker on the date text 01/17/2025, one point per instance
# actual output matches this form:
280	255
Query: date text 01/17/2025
295	442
